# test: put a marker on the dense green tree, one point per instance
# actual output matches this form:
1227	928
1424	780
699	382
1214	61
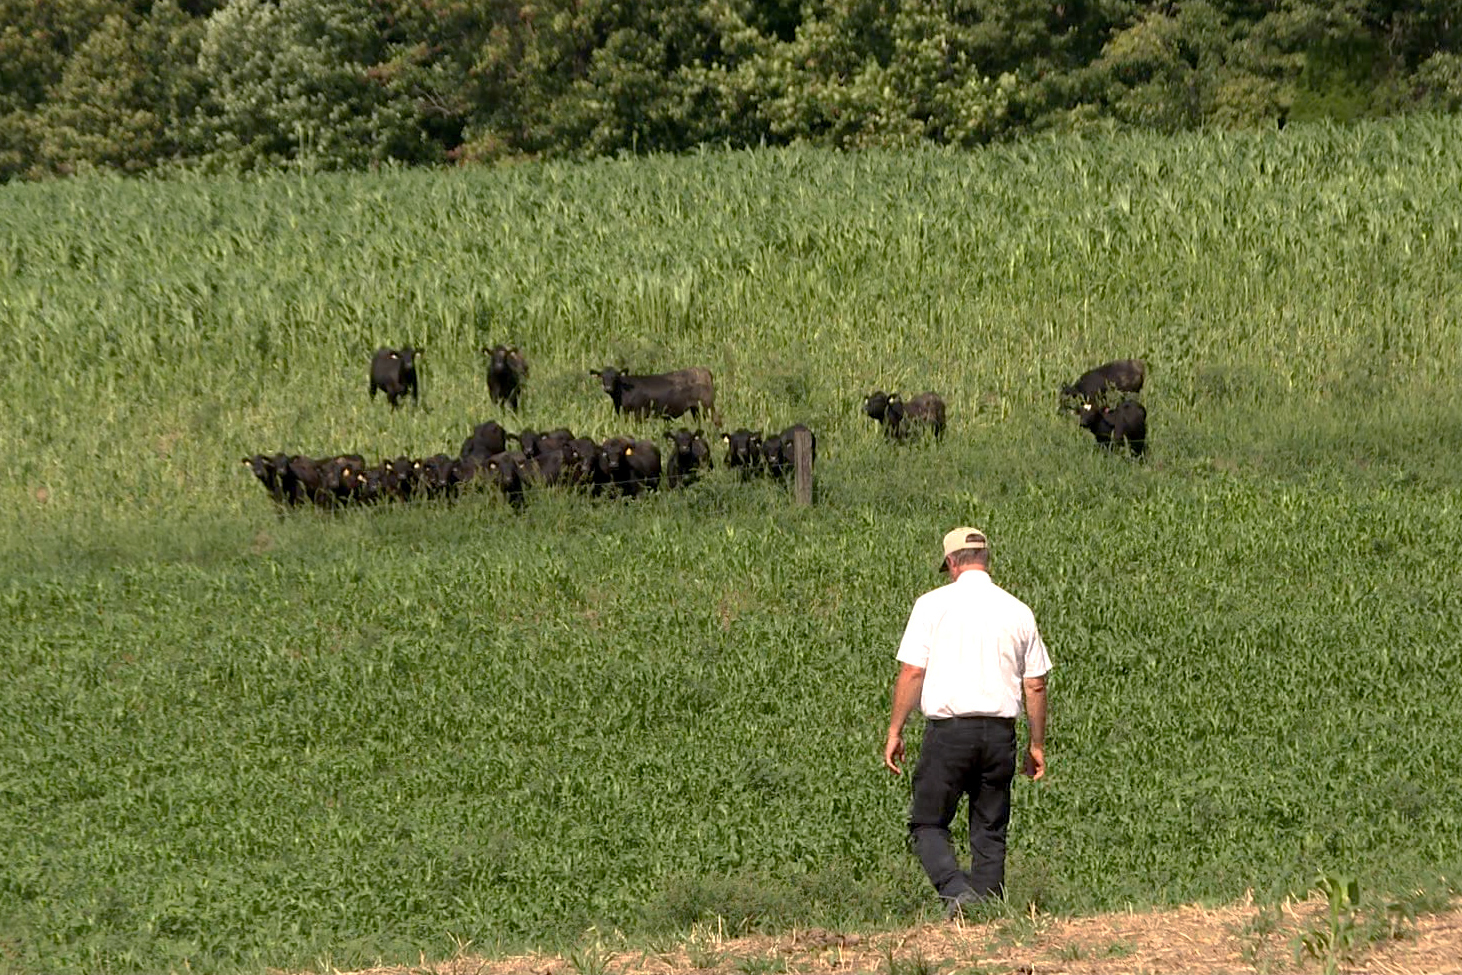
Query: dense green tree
128	84
125	95
598	76
36	39
301	82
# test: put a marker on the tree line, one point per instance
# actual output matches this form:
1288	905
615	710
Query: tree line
240	85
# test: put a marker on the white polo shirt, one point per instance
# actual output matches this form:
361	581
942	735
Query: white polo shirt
975	643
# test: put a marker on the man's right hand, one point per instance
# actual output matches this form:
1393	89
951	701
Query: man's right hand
1035	761
893	752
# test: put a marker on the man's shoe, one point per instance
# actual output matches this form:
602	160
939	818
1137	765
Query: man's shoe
960	903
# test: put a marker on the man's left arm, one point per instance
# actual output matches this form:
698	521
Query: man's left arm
1035	719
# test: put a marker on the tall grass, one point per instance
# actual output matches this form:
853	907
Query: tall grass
233	741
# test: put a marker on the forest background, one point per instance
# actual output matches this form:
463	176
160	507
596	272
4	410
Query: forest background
242	85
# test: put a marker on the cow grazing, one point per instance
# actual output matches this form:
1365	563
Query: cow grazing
904	421
1094	385
632	466
393	371
668	394
485	440
1115	425
506	370
689	452
743	452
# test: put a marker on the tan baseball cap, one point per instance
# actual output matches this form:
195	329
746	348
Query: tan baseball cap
960	539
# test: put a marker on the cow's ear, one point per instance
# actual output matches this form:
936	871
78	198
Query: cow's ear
699	433
596	372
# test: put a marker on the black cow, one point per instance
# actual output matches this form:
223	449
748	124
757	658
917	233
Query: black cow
1114	425
304	481
925	411
506	370
393	371
505	472
402	478
779	451
340	477
887	409
1092	386
689	452
439	476
549	468
485	440
502	471
667	394
535	443
632	466
271	473
906	420
743	452
370	485
582	465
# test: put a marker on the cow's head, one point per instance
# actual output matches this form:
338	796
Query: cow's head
875	404
683	440
608	376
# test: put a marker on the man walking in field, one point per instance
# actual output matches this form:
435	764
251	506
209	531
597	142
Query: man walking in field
968	651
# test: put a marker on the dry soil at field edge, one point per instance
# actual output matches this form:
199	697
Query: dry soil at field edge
1184	941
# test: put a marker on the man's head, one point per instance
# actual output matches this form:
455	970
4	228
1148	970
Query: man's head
965	548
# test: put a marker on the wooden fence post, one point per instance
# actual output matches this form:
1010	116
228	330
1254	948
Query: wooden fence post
802	459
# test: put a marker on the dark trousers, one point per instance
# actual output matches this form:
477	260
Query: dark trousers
974	756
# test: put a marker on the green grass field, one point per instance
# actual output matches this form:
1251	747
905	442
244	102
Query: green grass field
233	741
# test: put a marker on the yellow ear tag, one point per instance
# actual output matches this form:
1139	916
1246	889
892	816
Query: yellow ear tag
628	451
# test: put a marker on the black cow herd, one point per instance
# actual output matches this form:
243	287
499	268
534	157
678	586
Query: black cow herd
618	466
628	466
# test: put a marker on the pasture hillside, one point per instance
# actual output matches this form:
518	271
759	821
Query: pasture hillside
233	740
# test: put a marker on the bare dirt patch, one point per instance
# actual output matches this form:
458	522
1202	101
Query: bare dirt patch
1193	939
